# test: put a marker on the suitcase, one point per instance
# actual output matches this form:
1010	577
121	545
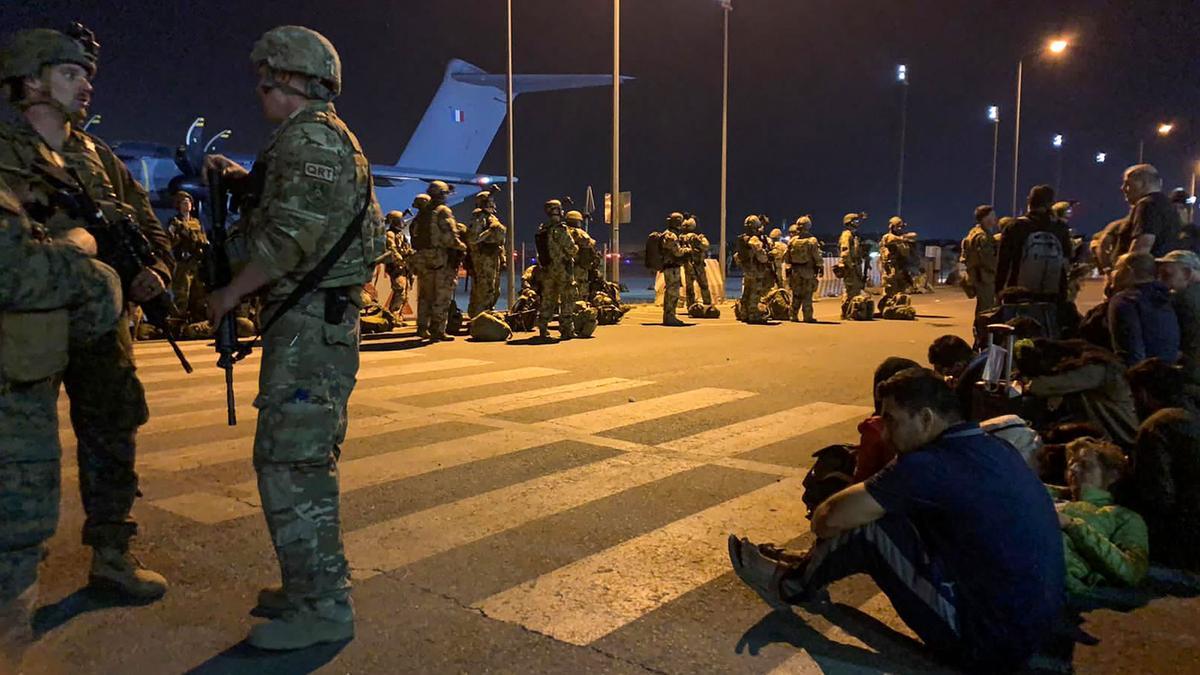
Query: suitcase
995	393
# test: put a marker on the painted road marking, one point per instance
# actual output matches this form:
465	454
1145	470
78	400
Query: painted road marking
536	397
373	550
625	414
594	596
735	439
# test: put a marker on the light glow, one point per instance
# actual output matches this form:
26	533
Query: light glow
902	73
1058	140
1058	46
993	113
1100	157
1165	128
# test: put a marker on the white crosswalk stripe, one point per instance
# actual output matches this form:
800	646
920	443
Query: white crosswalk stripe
626	414
755	433
536	397
373	549
592	597
206	372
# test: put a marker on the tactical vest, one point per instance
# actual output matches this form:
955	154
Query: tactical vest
422	229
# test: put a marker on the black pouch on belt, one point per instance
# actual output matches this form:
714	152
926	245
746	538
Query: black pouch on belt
336	301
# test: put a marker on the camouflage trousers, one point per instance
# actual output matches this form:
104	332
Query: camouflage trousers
108	404
485	284
399	298
435	294
671	281
895	281
754	288
854	284
695	273
558	297
308	372
29	481
190	298
802	288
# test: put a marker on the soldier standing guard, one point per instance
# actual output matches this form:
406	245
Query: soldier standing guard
587	260
51	291
805	266
674	256
485	242
895	255
438	253
694	271
556	260
47	76
188	242
754	259
316	203
850	260
396	267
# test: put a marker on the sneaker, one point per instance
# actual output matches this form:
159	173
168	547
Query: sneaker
298	630
118	570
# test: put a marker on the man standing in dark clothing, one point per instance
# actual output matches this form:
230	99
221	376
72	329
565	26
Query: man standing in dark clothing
959	534
1013	242
1154	224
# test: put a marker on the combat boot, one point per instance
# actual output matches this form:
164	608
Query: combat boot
272	603
115	569
298	629
543	332
672	321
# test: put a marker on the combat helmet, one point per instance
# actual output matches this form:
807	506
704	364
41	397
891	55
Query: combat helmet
421	201
574	217
552	206
776	234
483	199
675	220
296	49
895	223
181	194
802	224
752	223
27	52
395	218
851	218
438	190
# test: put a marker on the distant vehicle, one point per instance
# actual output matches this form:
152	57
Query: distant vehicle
449	143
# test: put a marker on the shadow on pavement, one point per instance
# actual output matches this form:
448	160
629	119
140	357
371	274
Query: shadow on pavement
242	658
662	325
399	345
49	617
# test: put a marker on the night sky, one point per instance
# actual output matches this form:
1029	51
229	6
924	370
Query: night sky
814	113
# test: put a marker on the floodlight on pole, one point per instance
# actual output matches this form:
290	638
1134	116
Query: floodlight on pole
993	113
93	120
1058	140
726	7
1165	128
1055	47
902	73
1100	157
902	78
1058	46
223	135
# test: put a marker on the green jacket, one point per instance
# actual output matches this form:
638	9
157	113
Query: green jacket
1105	544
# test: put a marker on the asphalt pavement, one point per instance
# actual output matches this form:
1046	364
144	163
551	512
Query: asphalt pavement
530	507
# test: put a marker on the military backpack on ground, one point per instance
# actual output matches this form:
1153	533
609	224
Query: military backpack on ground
862	308
586	319
490	327
779	304
701	311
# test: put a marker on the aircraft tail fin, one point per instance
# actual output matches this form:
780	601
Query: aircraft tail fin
467	110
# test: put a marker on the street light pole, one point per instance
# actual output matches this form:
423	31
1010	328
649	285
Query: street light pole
512	197
1141	150
902	76
1017	137
727	7
615	201
994	116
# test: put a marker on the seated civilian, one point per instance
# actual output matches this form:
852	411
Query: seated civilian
1165	485
874	452
957	532
1140	316
1180	272
1104	544
1079	382
951	357
1016	432
1052	458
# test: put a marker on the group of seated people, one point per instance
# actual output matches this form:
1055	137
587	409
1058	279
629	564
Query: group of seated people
984	512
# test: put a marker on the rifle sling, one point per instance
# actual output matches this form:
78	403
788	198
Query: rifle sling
317	274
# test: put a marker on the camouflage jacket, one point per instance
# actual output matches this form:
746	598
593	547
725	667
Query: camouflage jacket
896	249
850	248
804	255
674	253
979	254
750	254
485	235
314	185
105	178
562	247
697	246
187	238
587	257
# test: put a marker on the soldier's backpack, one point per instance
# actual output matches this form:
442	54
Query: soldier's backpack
489	327
654	259
779	304
523	314
541	242
862	308
586	319
1041	266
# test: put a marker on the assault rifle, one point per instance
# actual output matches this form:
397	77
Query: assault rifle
120	243
217	273
769	247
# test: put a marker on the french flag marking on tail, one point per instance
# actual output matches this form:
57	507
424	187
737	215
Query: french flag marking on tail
459	115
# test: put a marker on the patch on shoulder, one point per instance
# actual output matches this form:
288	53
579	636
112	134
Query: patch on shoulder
319	171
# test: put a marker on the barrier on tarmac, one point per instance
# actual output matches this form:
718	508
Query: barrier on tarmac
830	286
716	284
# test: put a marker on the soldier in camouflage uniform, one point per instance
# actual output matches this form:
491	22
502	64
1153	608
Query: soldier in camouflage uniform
438	251
895	254
674	256
805	266
556	263
188	242
587	260
778	256
396	266
850	260
755	261
51	292
315	190
47	75
694	270
485	243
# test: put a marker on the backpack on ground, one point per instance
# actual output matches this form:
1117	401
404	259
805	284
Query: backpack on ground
489	327
779	304
862	308
1041	266
696	311
712	312
586	319
654	259
832	471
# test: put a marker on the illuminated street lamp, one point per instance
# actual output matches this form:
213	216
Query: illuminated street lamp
726	7
511	185
1100	157
224	135
94	119
1055	47
902	78
1164	129
1057	142
993	114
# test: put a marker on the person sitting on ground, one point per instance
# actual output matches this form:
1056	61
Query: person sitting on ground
957	532
1180	272
1165	485
1140	316
874	452
1052	458
1015	431
1104	544
1079	382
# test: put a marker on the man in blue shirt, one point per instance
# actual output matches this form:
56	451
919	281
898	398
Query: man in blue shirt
957	532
